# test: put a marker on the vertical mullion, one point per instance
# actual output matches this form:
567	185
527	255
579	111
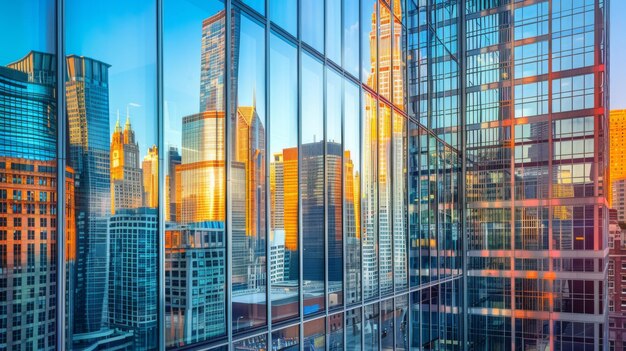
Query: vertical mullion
228	111
61	162
161	177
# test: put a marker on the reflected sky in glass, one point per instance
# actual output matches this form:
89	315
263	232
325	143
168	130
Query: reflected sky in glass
284	13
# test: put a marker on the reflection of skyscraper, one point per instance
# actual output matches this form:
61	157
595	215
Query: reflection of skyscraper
173	159
132	291
212	63
87	94
126	189
195	260
28	196
150	169
201	172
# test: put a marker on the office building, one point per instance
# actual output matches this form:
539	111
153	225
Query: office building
125	171
344	175
132	287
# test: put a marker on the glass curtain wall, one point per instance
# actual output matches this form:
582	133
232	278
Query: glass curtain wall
296	160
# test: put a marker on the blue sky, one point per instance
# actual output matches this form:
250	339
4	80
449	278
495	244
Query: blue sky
121	33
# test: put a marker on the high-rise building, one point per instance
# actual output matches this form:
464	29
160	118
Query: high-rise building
28	203
87	97
150	170
195	260
616	283
173	159
132	289
201	172
126	187
534	116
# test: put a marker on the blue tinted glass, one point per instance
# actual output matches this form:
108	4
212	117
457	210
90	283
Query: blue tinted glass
351	37
333	30
312	20
284	13
258	5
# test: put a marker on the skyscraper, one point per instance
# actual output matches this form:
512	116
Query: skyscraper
126	187
535	127
132	289
150	170
87	96
173	159
28	201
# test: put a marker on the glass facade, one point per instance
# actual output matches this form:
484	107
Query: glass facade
303	175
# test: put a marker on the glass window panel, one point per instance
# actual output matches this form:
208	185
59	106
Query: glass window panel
351	32
399	213
315	334
283	197
414	203
386	326
253	343
284	13
371	328
195	239
353	329
352	191
333	29
28	177
399	65
401	323
248	175
334	332
312	183
334	178
385	85
312	22
258	5
114	278
369	191
369	35
287	339
385	242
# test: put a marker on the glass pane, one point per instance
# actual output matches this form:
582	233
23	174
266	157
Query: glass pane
351	37
401	323
352	191
284	13
414	203
248	175
312	183
387	322
399	223
369	203
287	339
334	332
369	34
283	145
258	5
334	196
399	65
371	327
194	111
333	29
353	329
28	177
254	343
312	19
315	335
113	283
385	66
385	243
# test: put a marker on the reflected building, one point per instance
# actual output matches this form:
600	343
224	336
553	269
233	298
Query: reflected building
150	170
132	306
126	187
28	202
173	159
87	96
195	260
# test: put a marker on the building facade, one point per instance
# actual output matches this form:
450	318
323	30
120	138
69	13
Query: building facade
338	174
